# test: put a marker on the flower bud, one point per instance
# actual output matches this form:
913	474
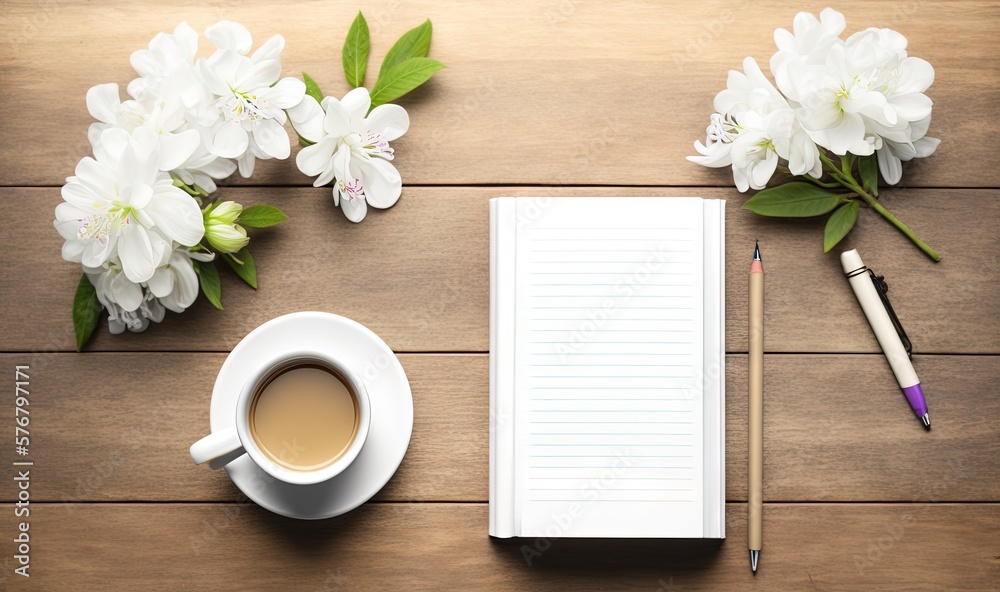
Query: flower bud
221	229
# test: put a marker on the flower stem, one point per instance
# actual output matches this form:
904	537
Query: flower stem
845	179
812	179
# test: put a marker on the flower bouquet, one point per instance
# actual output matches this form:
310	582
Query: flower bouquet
141	215
839	113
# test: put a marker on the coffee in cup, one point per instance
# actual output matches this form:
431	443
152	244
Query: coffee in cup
303	417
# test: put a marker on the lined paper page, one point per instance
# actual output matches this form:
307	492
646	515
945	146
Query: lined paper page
608	358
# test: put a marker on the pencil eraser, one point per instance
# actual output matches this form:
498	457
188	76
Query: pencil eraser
851	261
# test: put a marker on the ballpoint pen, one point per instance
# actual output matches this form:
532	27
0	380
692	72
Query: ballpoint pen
871	292
756	413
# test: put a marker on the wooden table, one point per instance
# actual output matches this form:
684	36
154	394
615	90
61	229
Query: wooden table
545	97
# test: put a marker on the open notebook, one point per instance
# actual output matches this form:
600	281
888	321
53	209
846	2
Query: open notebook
607	373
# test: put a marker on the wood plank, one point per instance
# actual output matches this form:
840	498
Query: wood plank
591	93
836	429
924	547
418	274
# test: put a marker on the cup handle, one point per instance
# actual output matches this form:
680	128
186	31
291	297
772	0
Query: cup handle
218	448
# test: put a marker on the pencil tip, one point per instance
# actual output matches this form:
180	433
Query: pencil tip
756	251
925	418
754	558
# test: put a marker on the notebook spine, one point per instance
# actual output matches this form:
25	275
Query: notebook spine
502	279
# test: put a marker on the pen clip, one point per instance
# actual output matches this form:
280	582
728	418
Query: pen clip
883	289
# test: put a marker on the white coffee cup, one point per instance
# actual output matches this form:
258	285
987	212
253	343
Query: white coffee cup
224	446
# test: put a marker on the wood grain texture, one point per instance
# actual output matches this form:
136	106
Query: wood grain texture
562	91
561	94
924	547
836	429
418	274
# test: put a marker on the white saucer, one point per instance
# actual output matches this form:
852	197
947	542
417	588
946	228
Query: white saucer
391	404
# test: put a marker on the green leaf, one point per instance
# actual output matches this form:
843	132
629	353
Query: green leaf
242	263
261	216
86	311
839	224
794	200
208	277
355	53
868	168
312	89
415	43
402	78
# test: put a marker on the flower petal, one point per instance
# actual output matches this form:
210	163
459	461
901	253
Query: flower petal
389	121
137	196
230	140
230	35
162	282
103	102
270	50
272	139
342	164
185	288
326	176
925	146
890	166
136	252
912	107
186	41
287	93
313	160
381	181
111	145
139	160
246	164
219	71
127	294
72	250
354	209
261	75
154	311
175	149
356	103
176	214
82	197
337	121
915	76
843	136
307	119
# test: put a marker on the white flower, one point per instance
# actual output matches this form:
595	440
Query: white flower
164	118
754	127
166	70
754	154
808	45
351	149
183	146
129	305
175	282
120	204
848	90
904	144
716	152
248	96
